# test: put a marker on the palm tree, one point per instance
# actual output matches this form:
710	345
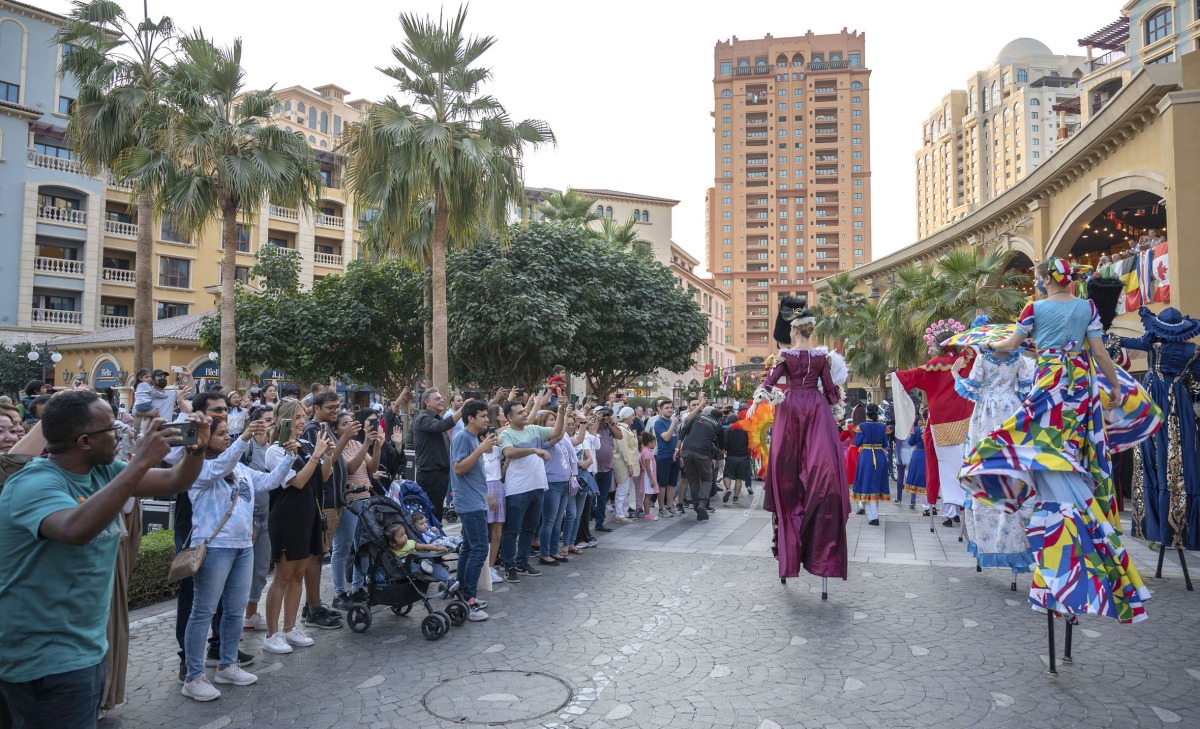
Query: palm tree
624	235
835	308
121	69
452	148
227	157
900	321
968	281
867	353
569	207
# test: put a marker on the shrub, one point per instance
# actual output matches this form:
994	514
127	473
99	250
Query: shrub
148	583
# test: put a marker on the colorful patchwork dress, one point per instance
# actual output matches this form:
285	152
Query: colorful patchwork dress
1055	450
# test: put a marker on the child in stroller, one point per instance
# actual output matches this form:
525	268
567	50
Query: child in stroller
402	546
396	579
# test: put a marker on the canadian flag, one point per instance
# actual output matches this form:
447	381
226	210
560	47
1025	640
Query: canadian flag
1162	274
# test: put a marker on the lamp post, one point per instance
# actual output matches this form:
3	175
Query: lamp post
41	353
677	392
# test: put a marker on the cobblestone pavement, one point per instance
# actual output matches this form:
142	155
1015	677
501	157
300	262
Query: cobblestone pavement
677	623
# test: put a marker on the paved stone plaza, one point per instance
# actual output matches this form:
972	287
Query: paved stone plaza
684	624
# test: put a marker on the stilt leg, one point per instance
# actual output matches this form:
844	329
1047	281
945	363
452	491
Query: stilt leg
1050	630
824	588
931	518
1066	657
1187	578
783	580
1162	553
1013	586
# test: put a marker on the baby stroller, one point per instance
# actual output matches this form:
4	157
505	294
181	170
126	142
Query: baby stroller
412	497
391	579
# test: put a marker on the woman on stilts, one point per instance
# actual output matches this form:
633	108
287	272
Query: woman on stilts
1056	452
806	486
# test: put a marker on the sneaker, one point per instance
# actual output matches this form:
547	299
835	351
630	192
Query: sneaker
510	575
481	604
667	513
603	528
277	643
359	596
323	618
593	542
235	675
200	689
957	520
451	588
873	522
254	622
475	613
641	514
948	523
735	499
711	509
750	490
496	576
623	520
342	602
610	508
860	512
582	545
650	517
297	636
182	672
529	569
213	658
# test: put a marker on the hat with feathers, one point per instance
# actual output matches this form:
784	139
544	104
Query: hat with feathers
793	311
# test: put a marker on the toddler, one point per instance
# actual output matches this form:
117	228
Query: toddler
431	538
402	547
648	484
557	385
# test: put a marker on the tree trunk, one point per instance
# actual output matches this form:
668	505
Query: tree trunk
427	329
143	272
228	281
440	377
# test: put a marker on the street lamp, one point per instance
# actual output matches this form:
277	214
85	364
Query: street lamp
677	391
35	355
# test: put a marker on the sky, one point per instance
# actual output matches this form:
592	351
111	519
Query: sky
627	86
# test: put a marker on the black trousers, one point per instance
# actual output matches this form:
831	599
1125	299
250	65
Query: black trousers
436	485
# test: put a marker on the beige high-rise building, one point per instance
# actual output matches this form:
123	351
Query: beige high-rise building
791	201
980	142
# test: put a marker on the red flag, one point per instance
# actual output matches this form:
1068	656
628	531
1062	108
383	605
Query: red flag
708	370
1162	274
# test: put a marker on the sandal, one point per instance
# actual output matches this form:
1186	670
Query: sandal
574	550
547	560
560	558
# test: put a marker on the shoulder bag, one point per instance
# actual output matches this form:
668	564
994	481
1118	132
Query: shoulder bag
187	563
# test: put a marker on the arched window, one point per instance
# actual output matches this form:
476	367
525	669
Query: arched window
797	59
835	57
637	214
312	139
760	62
324	123
781	61
855	85
287	106
995	93
278	108
818	58
1158	25
288	130
312	117
322	143
1017	108
600	211
645	216
1035	101
608	212
300	107
726	93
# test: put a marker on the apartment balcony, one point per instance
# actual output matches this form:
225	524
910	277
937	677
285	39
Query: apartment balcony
758	162
115	322
756	175
756	135
62	216
761	70
760	299
826	158
54	317
825	117
58	164
330	221
115	184
120	230
57	266
758	216
283	213
828	65
1108	59
760	202
758	122
120	276
327	259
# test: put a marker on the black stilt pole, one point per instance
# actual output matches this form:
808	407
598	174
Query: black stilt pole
1013	586
1066	658
1050	629
978	567
783	580
824	588
932	518
1187	578
1162	553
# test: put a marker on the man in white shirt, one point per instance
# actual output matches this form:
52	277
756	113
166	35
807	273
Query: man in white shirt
524	447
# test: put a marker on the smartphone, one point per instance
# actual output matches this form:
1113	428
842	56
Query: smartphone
177	369
285	430
187	432
372	424
574	399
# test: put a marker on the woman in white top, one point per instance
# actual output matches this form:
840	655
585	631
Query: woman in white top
236	415
223	518
493	473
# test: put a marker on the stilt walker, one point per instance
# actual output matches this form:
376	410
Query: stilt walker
806	488
949	417
1055	451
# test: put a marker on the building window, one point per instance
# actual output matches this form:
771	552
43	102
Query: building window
725	107
278	242
726	282
174	272
858	238
726	68
855	60
645	216
856	112
855	85
726	215
1168	58
1022	76
857	210
856	127
10	92
858	224
726	228
856	168
726	93
1158	25
170	230
725	134
726	187
726	254
324	123
337	125
857	154
855	99
243	238
167	310
65	105
608	212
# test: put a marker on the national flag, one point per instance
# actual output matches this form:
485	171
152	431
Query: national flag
708	370
1128	272
1162	274
1145	270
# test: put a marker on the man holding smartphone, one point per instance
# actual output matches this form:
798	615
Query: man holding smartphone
431	439
325	410
667	467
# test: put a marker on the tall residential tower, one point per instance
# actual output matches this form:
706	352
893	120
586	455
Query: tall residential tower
791	201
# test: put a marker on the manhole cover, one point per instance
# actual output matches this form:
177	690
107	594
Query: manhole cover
497	697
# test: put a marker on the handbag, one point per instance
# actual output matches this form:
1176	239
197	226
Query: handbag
187	563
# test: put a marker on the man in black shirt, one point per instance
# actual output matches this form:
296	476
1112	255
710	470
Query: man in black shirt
738	467
703	440
431	439
325	410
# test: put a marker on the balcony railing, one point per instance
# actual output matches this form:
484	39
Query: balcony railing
283	213
117	276
121	230
331	221
43	264
327	259
58	164
1106	60
826	130
826	117
828	65
55	317
66	216
756	135
756	162
119	185
763	70
115	322
756	174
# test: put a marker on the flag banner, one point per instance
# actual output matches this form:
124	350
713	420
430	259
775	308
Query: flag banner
985	334
708	370
1162	275
1145	269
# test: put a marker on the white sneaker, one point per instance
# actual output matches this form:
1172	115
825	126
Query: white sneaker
582	545
296	636
200	689
277	643
496	577
235	675
254	622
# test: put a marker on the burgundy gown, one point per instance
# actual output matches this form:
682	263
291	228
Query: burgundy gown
806	471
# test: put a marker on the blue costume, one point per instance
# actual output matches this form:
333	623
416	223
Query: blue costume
914	475
871	484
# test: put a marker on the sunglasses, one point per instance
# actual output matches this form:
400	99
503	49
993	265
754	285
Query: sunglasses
102	430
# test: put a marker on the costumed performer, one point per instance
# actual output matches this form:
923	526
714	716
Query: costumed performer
806	476
871	479
914	475
949	417
1056	451
1108	294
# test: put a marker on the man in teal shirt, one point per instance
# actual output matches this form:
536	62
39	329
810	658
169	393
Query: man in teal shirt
59	534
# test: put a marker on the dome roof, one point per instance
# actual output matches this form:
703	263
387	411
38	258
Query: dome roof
1024	47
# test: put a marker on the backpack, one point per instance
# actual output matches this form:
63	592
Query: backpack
10	465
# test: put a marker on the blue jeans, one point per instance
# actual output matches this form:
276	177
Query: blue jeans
554	508
604	484
343	545
262	558
521	513
59	701
183	605
474	552
574	517
224	577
